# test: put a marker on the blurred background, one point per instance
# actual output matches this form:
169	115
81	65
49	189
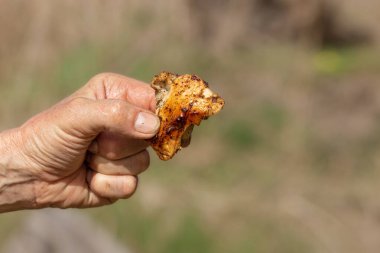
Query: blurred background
292	162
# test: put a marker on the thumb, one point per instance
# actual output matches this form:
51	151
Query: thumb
89	117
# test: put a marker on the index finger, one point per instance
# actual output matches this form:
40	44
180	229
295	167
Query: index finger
115	86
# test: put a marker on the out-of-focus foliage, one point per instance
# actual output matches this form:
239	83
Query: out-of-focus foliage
291	163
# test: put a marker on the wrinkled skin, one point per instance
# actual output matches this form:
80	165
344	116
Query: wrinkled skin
85	151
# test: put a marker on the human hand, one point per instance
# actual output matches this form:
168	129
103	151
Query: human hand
85	151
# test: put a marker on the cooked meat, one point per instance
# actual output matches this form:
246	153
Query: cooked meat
182	102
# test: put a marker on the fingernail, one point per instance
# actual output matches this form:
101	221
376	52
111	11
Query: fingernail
147	123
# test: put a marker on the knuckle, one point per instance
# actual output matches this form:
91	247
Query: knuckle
110	150
77	103
100	78
111	155
120	112
116	110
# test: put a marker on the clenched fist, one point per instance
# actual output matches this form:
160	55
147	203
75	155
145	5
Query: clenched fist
85	151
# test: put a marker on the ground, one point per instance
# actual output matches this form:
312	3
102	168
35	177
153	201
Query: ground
289	165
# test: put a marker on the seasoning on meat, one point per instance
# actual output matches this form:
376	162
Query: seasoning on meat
182	102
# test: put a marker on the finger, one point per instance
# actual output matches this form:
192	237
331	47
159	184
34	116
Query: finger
94	200
114	146
132	165
115	86
112	186
87	118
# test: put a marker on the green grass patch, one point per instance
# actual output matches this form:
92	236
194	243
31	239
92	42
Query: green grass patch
333	62
77	67
189	237
241	135
272	116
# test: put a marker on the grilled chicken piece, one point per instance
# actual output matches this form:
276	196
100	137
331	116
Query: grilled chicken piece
182	102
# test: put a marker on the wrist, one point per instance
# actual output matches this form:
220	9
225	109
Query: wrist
16	182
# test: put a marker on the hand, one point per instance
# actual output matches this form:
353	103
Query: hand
85	151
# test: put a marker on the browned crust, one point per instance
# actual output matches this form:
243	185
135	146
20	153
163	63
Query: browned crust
182	101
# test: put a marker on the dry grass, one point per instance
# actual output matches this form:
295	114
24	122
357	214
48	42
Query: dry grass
291	165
